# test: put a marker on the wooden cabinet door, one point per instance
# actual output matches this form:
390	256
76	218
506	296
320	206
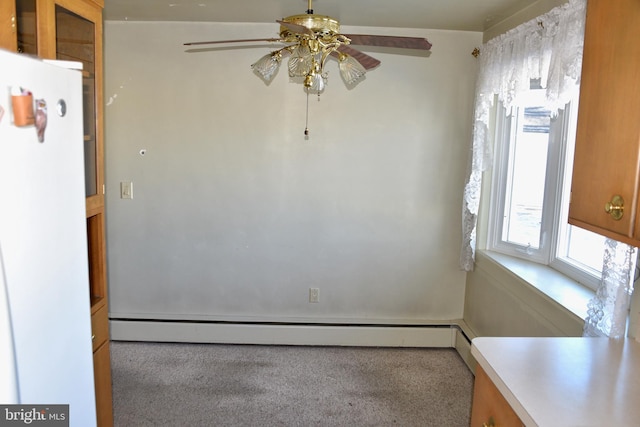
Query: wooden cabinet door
8	26
102	378
490	408
606	161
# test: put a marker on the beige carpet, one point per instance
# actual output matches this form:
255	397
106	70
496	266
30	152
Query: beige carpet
246	385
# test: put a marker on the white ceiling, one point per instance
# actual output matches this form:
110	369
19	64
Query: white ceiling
466	15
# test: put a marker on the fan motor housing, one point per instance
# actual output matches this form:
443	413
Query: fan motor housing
322	26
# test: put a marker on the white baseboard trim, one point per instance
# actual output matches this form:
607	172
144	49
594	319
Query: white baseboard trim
439	335
464	335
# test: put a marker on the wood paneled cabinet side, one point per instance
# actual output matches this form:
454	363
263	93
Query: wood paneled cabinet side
607	152
77	36
8	26
102	366
489	407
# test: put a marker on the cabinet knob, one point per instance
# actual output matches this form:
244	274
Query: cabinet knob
489	423
615	207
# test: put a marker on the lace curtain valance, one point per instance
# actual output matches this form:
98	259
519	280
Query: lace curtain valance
548	48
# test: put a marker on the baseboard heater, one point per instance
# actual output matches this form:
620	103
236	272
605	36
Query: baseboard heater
274	333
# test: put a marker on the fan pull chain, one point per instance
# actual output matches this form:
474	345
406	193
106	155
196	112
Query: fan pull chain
306	123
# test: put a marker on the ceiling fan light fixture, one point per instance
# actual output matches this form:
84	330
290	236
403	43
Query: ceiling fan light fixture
315	81
350	69
311	40
268	65
301	60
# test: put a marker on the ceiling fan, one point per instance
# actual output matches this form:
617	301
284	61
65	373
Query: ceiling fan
311	39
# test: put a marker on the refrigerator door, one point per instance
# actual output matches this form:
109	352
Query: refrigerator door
9	383
43	239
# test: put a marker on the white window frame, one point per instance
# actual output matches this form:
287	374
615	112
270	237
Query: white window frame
554	225
576	270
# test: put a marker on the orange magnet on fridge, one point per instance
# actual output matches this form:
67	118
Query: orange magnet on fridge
22	110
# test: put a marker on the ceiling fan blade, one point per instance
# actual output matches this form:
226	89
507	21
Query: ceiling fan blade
232	41
368	62
389	41
298	29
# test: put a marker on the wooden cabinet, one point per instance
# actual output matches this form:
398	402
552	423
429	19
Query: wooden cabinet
559	381
102	366
490	409
607	153
72	30
8	26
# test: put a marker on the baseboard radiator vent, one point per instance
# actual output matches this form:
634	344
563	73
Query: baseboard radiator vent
453	334
436	335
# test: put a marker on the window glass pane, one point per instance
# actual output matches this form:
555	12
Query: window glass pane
585	248
75	41
579	253
26	13
526	177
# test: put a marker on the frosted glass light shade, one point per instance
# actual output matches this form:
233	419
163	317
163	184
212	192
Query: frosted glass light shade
267	66
315	82
350	69
300	62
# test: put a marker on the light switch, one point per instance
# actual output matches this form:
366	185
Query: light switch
126	190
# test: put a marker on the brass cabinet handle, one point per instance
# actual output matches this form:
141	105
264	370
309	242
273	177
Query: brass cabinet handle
489	423
615	207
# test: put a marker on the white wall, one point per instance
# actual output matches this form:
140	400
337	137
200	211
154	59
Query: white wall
531	11
235	215
501	303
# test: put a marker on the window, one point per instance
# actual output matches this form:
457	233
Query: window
531	187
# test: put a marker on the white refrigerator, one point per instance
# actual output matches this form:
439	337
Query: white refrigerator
46	355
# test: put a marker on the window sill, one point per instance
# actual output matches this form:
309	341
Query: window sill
568	293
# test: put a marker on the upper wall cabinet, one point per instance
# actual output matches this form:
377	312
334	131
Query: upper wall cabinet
76	41
8	26
606	174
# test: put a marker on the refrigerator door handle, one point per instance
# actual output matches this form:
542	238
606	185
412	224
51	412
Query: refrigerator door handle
9	392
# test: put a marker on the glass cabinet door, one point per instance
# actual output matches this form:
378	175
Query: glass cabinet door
75	41
18	28
26	24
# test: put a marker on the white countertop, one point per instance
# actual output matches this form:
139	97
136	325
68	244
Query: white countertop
565	382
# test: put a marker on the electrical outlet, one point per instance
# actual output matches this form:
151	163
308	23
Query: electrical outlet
314	295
